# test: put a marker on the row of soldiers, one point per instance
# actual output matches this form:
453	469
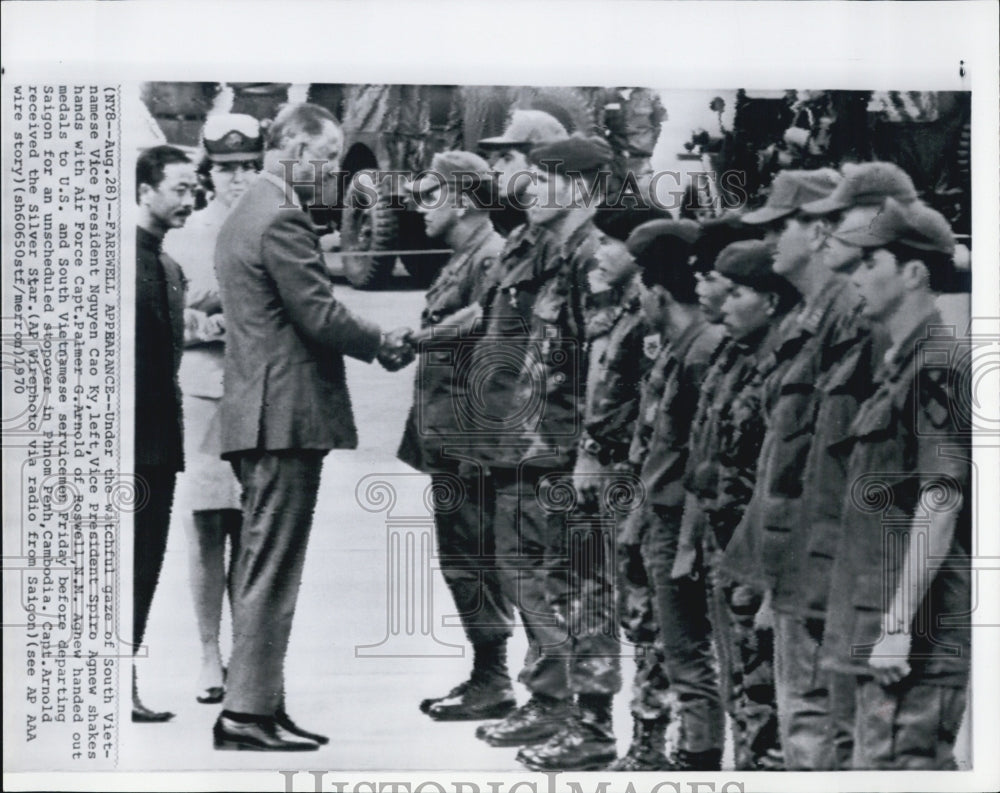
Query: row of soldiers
743	442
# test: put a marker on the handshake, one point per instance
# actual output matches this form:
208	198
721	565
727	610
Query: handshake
398	349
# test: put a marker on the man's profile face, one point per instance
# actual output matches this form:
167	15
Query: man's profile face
879	281
795	245
549	197
506	163
840	256
172	201
439	211
712	289
316	152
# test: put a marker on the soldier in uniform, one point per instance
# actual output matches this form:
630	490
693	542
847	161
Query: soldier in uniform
619	362
432	440
508	158
573	669
725	442
901	580
670	304
814	340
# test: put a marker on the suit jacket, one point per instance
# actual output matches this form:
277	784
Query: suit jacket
159	343
286	334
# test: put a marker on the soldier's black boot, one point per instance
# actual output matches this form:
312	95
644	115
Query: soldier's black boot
534	722
649	737
709	760
586	743
487	694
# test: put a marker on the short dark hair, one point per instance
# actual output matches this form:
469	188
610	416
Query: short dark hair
151	164
303	117
940	266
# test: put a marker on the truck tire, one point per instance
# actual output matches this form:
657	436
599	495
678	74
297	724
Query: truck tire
365	229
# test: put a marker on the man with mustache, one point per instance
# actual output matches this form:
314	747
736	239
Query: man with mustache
165	190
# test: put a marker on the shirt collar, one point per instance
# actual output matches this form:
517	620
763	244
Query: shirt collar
148	240
898	356
283	186
813	314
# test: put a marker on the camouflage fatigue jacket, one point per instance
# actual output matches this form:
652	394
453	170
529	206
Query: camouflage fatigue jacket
683	375
618	364
726	433
550	390
907	441
817	338
432	422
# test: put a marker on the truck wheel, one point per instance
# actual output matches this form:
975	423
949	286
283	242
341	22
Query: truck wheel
366	229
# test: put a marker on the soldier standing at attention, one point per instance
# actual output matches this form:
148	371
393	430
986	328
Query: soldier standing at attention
901	587
619	362
725	443
508	158
433	441
573	655
670	304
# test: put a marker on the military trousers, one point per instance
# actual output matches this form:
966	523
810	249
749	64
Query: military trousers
682	611
745	656
466	547
279	497
557	570
910	726
815	705
637	618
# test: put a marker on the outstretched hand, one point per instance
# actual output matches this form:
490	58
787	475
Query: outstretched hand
397	350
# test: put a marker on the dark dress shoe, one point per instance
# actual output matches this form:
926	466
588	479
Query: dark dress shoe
534	722
143	715
284	721
212	695
255	736
457	691
481	699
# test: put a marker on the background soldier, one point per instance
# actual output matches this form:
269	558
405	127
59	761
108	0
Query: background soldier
898	619
165	189
508	158
670	304
432	441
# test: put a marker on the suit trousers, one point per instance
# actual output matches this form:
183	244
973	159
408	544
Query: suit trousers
467	555
279	497
151	525
682	610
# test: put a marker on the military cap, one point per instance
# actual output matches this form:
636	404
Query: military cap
716	234
749	263
865	184
232	137
527	128
663	241
447	168
915	225
577	153
790	191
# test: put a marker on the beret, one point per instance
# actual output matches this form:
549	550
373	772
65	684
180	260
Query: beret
749	263
232	137
448	167
578	153
526	128
790	191
663	241
866	184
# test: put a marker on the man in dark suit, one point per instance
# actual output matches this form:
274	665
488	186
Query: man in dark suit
165	186
285	406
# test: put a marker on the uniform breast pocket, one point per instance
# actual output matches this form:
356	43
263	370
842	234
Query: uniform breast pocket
795	414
